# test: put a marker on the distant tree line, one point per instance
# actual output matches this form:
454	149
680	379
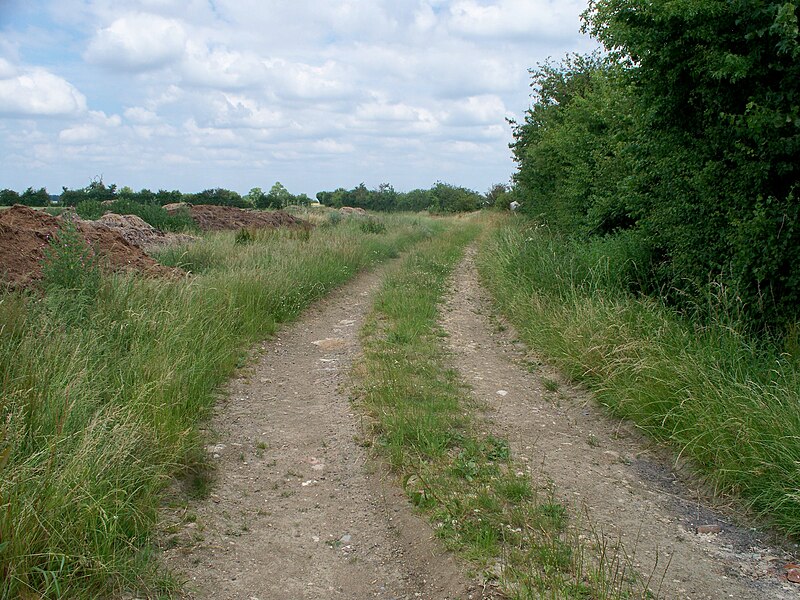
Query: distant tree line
442	198
98	191
29	197
683	139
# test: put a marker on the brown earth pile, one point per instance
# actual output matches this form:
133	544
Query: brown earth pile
134	229
350	210
25	233
175	206
210	217
139	232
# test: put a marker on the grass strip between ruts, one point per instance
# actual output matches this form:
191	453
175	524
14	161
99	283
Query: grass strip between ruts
427	427
104	382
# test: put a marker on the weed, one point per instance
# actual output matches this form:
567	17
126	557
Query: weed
243	236
152	214
372	225
70	264
333	219
551	385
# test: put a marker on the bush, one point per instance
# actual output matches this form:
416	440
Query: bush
70	264
705	182
243	236
220	197
333	219
91	210
371	225
8	197
151	213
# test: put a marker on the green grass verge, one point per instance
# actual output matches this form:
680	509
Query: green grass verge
105	380
430	432
727	404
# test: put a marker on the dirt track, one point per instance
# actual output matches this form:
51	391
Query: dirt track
301	511
603	467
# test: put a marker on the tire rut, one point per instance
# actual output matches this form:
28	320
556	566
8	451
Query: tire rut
601	468
299	510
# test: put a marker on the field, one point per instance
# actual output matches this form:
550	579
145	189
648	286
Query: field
106	379
404	407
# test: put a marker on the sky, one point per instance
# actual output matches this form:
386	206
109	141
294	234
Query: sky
197	94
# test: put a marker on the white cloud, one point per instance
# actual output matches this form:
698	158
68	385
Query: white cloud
37	91
329	146
80	134
95	129
476	110
425	18
139	115
221	68
549	19
304	81
138	42
7	70
412	118
235	111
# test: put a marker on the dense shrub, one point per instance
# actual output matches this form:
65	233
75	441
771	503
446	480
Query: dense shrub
155	215
90	209
218	196
687	132
70	264
31	197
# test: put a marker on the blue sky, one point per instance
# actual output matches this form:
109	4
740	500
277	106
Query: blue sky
242	93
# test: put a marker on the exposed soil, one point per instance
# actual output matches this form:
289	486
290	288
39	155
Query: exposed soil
605	470
210	217
25	233
299	510
139	232
350	210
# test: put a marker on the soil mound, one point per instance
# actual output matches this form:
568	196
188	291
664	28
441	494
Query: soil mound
175	207
210	217
350	210
139	232
25	233
134	229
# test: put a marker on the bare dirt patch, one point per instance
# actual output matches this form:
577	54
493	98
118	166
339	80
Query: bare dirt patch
299	509
210	217
604	469
25	233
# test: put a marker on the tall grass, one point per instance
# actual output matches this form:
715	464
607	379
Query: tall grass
725	402
102	395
